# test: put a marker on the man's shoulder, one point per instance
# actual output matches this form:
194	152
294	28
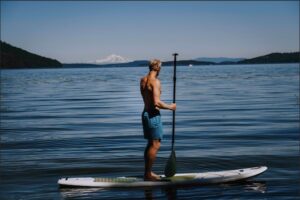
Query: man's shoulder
152	81
157	81
143	78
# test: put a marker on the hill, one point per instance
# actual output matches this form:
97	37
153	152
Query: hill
13	57
219	59
273	58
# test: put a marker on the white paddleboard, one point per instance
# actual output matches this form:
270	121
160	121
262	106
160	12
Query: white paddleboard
178	179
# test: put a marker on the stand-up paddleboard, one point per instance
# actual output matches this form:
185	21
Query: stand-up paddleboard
178	179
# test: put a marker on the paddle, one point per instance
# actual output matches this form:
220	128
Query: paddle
170	168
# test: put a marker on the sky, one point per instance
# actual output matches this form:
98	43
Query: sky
85	31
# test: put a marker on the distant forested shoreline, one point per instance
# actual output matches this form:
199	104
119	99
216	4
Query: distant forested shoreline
14	58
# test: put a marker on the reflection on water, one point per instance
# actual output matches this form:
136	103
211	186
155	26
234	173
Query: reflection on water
256	186
169	192
166	192
69	193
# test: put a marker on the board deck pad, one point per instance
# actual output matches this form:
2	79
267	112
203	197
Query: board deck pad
179	179
118	180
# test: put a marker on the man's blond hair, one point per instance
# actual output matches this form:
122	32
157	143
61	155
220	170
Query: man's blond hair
154	65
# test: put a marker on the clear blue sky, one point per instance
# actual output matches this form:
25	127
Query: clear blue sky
88	30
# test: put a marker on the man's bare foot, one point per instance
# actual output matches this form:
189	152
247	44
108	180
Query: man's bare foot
152	177
155	175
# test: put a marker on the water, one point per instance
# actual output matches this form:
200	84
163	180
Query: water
86	122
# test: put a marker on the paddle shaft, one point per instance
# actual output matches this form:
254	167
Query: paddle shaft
174	101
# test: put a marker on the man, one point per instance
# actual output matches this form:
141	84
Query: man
151	119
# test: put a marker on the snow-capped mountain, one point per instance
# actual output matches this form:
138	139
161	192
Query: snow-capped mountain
112	59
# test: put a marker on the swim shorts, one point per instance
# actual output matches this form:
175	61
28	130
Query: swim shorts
152	125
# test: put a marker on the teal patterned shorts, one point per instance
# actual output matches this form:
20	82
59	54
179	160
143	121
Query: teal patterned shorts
152	125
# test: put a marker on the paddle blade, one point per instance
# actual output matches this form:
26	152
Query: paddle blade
170	169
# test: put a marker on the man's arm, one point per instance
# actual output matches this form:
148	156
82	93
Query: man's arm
156	98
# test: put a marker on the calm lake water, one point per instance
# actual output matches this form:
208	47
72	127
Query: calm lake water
86	122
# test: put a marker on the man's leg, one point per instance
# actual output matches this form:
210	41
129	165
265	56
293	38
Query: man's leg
149	156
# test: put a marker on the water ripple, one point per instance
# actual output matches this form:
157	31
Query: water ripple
86	122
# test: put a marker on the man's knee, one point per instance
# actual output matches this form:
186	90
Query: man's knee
156	144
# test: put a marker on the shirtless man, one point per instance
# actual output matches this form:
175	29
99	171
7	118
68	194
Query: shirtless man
151	119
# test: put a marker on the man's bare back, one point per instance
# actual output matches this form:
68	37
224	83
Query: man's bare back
148	86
